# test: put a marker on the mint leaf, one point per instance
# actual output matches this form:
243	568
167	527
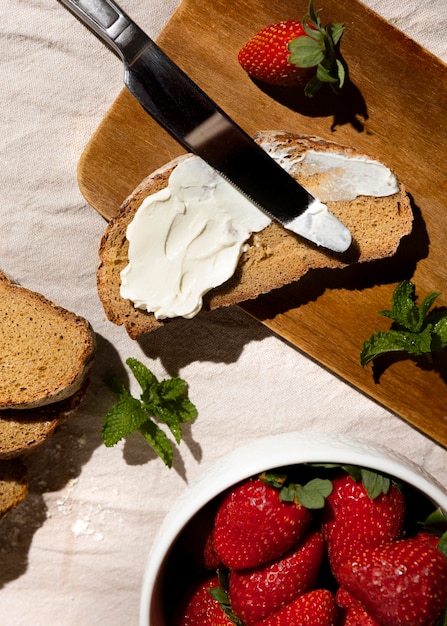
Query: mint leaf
143	375
404	310
124	418
158	441
415	330
439	331
165	402
396	341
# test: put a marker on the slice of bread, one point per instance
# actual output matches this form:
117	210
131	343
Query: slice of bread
45	351
13	484
23	430
273	257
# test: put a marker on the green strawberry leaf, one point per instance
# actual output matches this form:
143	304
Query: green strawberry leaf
165	401
220	594
442	545
312	495
313	16
341	73
306	52
324	75
436	523
437	519
319	49
335	32
442	620
415	330
374	482
273	479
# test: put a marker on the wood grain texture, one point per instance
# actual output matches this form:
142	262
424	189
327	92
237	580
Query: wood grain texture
393	109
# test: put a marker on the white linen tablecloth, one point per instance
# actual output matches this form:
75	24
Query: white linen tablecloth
74	551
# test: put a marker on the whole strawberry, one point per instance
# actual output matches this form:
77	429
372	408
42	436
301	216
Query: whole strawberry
400	583
197	540
296	53
257	593
253	526
352	519
316	608
351	612
202	609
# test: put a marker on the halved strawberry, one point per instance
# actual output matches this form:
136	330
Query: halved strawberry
296	53
257	593
401	583
253	526
316	608
353	520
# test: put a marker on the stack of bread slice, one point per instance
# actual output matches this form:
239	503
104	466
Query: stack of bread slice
46	354
272	257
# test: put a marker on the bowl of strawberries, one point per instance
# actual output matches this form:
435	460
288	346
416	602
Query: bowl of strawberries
306	528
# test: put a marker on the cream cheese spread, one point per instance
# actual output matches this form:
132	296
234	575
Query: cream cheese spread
340	177
185	240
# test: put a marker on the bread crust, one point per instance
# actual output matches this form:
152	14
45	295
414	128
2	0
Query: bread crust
272	258
24	430
13	484
46	352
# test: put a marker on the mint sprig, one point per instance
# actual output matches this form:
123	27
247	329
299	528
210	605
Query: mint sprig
415	329
320	50
165	402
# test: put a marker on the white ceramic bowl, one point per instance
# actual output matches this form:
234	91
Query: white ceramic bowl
252	459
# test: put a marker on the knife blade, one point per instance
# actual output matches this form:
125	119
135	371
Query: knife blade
183	109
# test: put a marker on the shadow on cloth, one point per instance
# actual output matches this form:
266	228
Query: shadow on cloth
54	464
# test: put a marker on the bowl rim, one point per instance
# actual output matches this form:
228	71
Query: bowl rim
283	449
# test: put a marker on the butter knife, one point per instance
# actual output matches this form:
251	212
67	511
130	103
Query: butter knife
203	128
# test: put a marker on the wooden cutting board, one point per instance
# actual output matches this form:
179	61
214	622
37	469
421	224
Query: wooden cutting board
393	110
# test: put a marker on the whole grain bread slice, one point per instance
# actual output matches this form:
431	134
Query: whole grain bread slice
273	257
23	430
13	484
46	352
